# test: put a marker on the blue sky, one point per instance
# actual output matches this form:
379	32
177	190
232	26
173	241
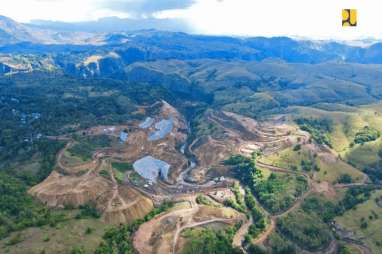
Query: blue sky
319	19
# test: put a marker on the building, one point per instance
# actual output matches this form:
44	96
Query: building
123	136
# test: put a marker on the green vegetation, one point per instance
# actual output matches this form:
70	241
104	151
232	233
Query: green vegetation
345	178
305	229
105	173
367	134
208	241
237	203
230	202
77	250
281	245
245	170
86	146
309	166
367	157
88	211
365	219
318	129
323	208
317	212
309	226
64	237
259	220
353	197
203	200
37	105
118	240
280	191
291	159
256	249
345	249
18	210
122	166
306	160
119	176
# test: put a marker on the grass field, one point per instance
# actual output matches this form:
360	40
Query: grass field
328	170
347	121
288	158
371	213
331	171
82	234
364	155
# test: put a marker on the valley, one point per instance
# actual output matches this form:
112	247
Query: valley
125	196
161	142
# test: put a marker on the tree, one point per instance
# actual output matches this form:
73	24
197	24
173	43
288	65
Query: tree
344	179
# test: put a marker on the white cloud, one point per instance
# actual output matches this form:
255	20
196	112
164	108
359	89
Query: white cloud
317	19
61	10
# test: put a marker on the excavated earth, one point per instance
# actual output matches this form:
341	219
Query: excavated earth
81	183
122	201
237	134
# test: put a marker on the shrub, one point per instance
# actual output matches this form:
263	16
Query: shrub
345	179
88	210
367	134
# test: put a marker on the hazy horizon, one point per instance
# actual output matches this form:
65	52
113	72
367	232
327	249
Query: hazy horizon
313	20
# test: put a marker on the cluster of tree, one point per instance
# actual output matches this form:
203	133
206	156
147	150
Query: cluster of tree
374	171
238	202
309	166
367	134
309	226
274	195
203	200
327	210
281	245
41	104
345	179
305	229
88	210
18	210
259	220
245	170
118	240
122	166
230	202
353	197
36	105
256	249
209	241
317	128
323	208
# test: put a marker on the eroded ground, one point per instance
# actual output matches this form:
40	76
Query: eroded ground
195	168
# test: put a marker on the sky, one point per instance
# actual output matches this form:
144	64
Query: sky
317	19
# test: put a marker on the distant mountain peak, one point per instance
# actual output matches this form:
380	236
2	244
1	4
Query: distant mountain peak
13	32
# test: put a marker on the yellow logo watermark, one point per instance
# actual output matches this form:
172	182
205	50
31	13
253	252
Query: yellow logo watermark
349	17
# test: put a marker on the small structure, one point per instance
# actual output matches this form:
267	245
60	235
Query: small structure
163	128
150	168
147	123
123	136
